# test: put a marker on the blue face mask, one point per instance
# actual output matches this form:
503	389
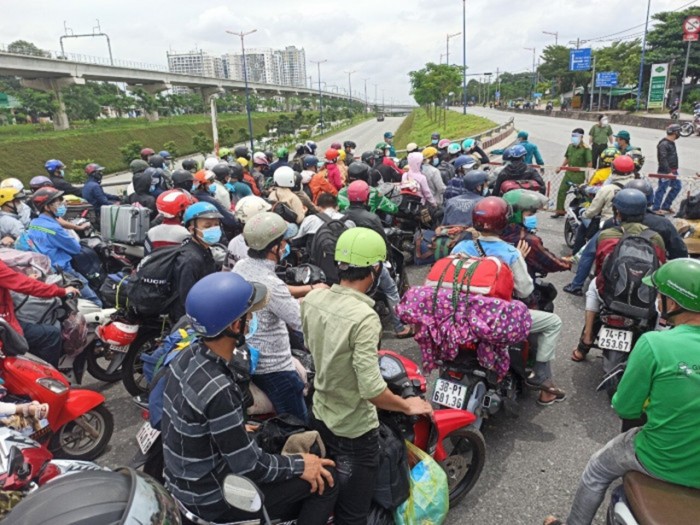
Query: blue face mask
530	222
286	252
485	191
436	161
252	326
211	235
575	140
230	187
211	189
616	145
61	210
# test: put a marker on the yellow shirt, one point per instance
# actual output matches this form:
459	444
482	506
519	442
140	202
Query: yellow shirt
600	176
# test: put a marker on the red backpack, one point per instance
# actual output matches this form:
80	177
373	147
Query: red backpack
479	275
512	184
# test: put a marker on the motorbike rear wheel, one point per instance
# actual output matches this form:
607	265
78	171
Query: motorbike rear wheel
132	367
687	129
103	363
569	233
73	441
465	462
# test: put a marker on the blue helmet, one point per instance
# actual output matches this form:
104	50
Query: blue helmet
515	152
309	161
165	154
464	160
468	144
201	210
630	203
54	165
454	148
219	299
474	178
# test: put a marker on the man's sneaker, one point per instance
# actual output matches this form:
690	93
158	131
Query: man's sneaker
573	290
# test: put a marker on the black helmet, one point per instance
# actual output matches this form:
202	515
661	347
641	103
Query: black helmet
156	161
241	151
183	179
45	196
269	156
644	186
349	144
236	170
222	171
631	204
98	496
474	178
674	129
368	158
358	171
435	136
189	164
138	165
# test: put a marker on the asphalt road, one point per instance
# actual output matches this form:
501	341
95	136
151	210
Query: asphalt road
533	462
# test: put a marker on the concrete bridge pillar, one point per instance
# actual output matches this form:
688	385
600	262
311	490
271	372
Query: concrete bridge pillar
55	86
152	89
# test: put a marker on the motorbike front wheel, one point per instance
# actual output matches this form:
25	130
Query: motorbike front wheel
86	437
465	462
132	367
687	129
569	233
103	363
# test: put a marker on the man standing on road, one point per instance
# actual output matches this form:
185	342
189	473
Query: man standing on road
533	152
667	157
600	136
577	155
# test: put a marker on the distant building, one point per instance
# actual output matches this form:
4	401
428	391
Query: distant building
286	67
196	63
293	66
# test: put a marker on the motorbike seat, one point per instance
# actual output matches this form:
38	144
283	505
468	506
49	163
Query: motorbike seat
656	502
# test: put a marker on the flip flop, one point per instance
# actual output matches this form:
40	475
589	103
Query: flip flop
548	387
404	334
551	520
583	349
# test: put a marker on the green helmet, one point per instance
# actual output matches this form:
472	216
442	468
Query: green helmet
224	152
609	155
524	200
678	279
282	153
360	248
381	145
138	165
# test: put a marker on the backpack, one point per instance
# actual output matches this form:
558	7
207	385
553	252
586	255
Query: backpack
151	289
283	210
487	276
690	208
512	184
393	486
322	252
410	204
622	290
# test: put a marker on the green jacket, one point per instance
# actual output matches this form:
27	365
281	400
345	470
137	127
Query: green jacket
376	201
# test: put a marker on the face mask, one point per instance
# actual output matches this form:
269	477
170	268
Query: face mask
604	122
152	188
211	189
530	222
616	145
25	214
211	235
61	210
252	326
485	191
285	253
436	161
434	141
375	281
230	187
575	140
61	173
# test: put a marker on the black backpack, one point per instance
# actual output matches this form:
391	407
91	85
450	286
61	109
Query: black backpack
322	252
392	487
690	208
151	292
622	289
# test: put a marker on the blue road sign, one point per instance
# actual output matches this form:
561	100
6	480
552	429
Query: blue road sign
580	59
537	95
606	79
498	94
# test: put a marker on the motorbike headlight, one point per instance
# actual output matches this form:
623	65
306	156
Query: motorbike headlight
53	385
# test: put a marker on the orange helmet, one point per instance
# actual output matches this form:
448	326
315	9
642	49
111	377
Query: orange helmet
332	155
204	176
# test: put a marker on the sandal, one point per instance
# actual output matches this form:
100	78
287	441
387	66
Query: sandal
549	388
582	349
405	333
551	520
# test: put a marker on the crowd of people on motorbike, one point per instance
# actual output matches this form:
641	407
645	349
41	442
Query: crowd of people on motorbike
270	210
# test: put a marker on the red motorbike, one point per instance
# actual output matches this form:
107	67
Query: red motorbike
80	425
449	436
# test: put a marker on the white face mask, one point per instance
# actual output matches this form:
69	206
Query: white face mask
604	122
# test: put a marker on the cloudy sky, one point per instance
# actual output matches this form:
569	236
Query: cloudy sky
381	39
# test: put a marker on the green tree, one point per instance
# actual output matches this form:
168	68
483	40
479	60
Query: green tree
666	44
82	103
22	47
202	143
433	84
131	151
37	103
171	148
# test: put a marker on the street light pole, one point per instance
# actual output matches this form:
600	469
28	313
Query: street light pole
320	93
447	51
534	51
242	35
641	62
350	86
464	57
366	102
555	34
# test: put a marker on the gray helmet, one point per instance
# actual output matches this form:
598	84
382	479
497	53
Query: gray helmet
474	178
644	186
138	165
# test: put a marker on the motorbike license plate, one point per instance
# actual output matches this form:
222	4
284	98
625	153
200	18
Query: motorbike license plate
146	436
613	339
121	349
449	394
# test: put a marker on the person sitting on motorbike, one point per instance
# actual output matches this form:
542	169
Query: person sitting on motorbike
183	179
377	169
146	153
377	201
516	169
222	176
39	181
523	227
158	161
300	190
93	192
282	155
319	182
490	217
462	165
267	236
434	139
343	332
247	178
11	225
384	165
662	382
471	147
309	169
171	206
410	148
190	165
51	239
349	148
358	195
261	168
629	208
458	210
442	148
203	190
332	171
246	208
168	158
327	205
285	181
43	339
205	436
415	180
238	187
55	168
389	140
195	260
432	174
622	142
454	150
604	167
142	195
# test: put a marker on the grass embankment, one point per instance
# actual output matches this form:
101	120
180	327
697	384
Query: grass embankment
23	155
418	127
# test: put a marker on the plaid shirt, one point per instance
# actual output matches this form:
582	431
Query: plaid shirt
540	259
204	435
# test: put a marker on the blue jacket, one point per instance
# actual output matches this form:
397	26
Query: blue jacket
95	195
458	210
532	151
53	241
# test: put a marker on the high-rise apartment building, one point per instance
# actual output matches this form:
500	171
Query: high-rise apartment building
285	67
197	63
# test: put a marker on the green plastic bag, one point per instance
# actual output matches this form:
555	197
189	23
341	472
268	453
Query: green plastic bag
429	501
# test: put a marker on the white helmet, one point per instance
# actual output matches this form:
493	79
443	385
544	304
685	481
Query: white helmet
260	158
250	206
13	183
284	177
210	162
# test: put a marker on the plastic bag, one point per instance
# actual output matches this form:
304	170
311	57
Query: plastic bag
429	501
74	333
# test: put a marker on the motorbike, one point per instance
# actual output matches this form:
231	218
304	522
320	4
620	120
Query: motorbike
688	128
79	424
572	222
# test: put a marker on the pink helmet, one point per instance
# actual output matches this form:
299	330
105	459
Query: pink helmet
336	145
358	191
444	143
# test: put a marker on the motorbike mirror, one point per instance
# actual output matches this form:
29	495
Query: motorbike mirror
242	494
15	461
